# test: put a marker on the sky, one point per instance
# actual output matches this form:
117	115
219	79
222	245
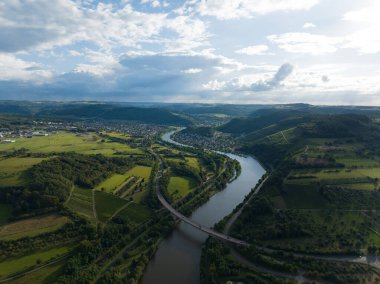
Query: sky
215	51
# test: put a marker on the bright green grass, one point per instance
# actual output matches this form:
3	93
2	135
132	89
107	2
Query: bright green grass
44	275
140	171
136	213
112	183
193	162
5	213
180	186
14	265
107	204
11	169
69	142
358	162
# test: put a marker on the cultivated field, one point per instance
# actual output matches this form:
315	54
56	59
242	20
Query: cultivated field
81	202
15	265
107	204
32	227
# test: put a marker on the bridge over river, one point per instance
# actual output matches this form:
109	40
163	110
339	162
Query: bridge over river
206	230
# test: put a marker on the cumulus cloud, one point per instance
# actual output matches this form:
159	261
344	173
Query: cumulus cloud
315	44
366	36
282	73
235	9
44	24
12	68
253	50
308	25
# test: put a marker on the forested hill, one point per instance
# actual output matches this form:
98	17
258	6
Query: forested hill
105	111
270	134
262	119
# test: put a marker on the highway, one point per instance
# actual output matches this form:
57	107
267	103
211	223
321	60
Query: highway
206	230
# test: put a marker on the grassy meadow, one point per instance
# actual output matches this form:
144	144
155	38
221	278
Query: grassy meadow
69	142
179	186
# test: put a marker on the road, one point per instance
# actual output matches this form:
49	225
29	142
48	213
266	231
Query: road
204	229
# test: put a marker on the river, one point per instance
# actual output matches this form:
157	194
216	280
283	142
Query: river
178	257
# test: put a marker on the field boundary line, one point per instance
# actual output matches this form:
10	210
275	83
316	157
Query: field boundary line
94	205
119	210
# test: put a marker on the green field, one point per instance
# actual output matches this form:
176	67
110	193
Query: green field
107	204
112	183
32	227
115	181
44	275
5	213
69	142
180	186
140	171
193	162
14	265
136	213
81	203
11	169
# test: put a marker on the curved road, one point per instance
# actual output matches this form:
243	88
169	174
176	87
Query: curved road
183	218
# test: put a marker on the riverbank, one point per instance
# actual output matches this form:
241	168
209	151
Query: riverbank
177	259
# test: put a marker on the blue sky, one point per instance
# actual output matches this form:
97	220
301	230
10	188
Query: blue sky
215	51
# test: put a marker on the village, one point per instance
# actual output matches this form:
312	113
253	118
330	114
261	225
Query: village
44	128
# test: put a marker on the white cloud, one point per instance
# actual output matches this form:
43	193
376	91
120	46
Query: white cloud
12	68
192	71
254	50
314	44
366	36
101	64
308	25
44	24
153	3
235	9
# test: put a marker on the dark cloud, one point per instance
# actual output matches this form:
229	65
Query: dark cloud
139	78
282	73
13	39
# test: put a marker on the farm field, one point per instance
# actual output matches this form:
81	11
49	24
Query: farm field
112	183
14	265
81	203
107	204
11	169
44	275
136	213
141	171
69	142
32	226
179	187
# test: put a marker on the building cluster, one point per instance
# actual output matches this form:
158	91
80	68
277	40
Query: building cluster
41	128
219	141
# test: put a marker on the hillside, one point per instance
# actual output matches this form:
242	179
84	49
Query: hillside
105	111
